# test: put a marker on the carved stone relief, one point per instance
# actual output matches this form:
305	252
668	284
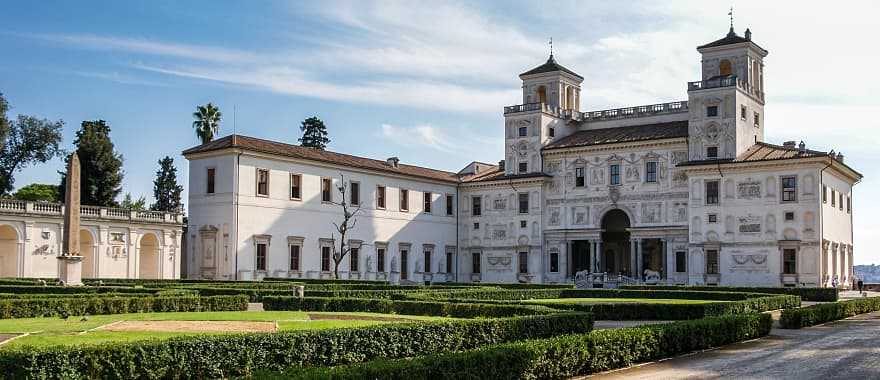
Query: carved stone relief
651	212
749	262
750	224
554	216
748	189
580	215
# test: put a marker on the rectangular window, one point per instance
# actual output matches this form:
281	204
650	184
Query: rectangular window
554	262
848	205
824	194
712	152
210	186
476	206
427	261
789	189
427	201
523	262
404	264
523	203
651	171
476	225
450	204
475	262
579	177
789	261
523	131
325	259
354	260
355	190
713	218
450	267
523	224
295	186
380	259
380	197
681	261
404	200
711	192
261	256
614	171
841	202
263	182
711	111
552	132
294	257
743	113
326	189
523	167
757	119
833	198
788	216
711	261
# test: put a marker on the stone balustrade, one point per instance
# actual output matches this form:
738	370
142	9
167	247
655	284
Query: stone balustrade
14	206
728	81
610	114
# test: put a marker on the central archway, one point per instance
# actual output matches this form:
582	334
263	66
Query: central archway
614	257
8	252
149	257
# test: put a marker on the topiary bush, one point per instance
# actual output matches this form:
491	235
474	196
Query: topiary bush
224	356
555	358
826	312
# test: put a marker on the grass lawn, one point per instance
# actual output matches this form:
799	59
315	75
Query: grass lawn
74	331
620	300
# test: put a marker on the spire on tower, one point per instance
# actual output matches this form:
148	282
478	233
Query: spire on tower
731	20
551	46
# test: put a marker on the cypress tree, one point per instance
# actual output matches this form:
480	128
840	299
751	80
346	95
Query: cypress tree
100	165
165	187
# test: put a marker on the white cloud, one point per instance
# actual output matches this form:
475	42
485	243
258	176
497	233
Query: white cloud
418	136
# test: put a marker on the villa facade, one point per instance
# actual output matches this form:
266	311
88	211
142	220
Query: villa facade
685	192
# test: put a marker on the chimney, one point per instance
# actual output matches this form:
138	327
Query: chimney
802	148
788	144
840	157
501	165
393	162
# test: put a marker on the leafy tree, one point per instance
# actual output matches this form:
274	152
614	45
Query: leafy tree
314	133
25	141
100	165
165	187
129	203
37	192
207	123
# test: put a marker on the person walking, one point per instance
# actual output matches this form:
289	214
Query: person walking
861	285
834	282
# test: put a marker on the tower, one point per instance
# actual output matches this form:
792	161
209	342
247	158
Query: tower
551	96
727	104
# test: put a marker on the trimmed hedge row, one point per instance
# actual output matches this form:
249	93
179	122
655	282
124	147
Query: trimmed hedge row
223	356
458	310
525	294
555	358
826	312
39	289
806	294
44	307
649	311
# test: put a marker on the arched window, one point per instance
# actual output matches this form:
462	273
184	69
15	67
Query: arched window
542	94
725	68
569	98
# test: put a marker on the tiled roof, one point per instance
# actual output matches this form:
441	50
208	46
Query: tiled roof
668	130
730	39
549	67
498	175
287	150
762	151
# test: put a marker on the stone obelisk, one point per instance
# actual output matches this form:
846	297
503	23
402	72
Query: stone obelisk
70	271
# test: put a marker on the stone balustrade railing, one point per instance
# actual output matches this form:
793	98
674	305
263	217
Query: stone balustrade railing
728	81
610	114
88	212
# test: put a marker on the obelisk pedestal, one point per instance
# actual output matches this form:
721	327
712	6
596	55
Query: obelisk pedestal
70	269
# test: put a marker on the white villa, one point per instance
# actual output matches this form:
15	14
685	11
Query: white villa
682	193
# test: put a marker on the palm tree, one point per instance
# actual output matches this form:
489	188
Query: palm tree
207	123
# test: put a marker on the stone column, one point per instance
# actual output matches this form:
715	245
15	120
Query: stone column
639	259
599	259
569	259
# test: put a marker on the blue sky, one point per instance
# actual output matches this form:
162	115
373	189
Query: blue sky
425	81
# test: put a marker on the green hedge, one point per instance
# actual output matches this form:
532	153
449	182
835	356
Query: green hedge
38	289
44	307
826	312
526	294
555	358
806	294
222	356
650	311
458	310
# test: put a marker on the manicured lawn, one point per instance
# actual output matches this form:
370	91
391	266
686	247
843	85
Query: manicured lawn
620	300
74	330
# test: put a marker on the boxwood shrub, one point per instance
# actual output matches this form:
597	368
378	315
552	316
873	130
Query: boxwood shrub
555	358
39	289
806	294
459	310
826	312
525	294
649	311
223	356
57	306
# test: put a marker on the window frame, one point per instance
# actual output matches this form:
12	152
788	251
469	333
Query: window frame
450	261
681	258
712	111
841	201
848	204
264	260
716	200
450	205
427	201
326	258
326	195
298	187
714	149
824	194
554	261
713	267
580	176
522	262
476	262
476	205
352	194
788	194
211	180
789	264
757	117
257	190
290	257
523	132
743	112
551	132
381	199
427	253
354	260
614	175
404	263
652	176
403	195
833	198
522	167
380	259
712	218
519	198
476	225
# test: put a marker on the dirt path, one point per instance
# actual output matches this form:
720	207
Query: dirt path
5	337
190	326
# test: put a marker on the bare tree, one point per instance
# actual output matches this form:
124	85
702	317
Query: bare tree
349	221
